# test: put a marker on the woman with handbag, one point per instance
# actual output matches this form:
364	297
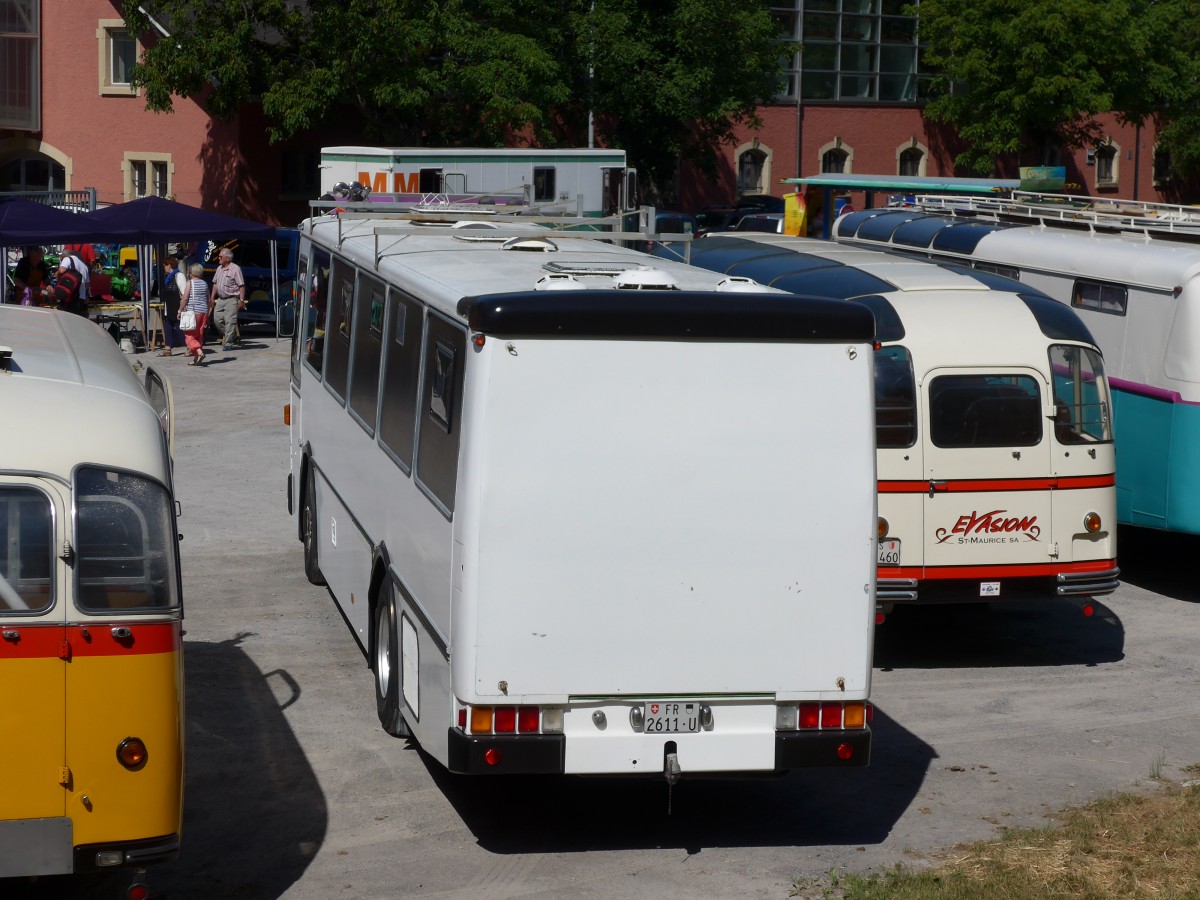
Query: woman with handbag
193	313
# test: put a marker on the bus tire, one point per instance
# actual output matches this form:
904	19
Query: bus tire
387	654
308	525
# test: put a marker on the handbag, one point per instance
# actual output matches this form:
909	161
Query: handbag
187	321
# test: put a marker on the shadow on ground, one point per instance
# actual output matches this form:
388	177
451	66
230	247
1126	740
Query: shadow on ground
1159	562
254	814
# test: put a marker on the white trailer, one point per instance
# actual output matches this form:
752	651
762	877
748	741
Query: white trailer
593	182
574	510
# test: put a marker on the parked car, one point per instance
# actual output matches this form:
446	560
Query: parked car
727	217
769	222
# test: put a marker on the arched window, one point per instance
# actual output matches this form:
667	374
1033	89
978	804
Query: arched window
32	172
910	162
751	164
834	160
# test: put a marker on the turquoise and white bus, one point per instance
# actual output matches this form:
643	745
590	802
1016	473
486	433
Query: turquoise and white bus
1134	279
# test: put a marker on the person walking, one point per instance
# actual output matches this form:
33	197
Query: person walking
173	287
68	289
229	289
198	303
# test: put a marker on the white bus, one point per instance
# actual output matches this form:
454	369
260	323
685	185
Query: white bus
583	182
572	509
992	424
91	660
1132	273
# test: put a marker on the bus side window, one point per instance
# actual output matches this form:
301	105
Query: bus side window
26	550
401	374
368	332
318	298
340	325
441	403
895	398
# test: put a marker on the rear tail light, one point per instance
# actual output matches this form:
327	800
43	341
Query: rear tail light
510	720
825	716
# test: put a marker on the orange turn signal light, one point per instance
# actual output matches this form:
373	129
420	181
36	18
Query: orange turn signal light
131	753
1092	523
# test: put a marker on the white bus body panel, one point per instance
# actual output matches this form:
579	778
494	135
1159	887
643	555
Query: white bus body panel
671	542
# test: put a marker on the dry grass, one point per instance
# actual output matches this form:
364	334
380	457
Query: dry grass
1126	846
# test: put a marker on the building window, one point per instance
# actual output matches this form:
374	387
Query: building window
751	165
1107	156
147	175
834	161
32	174
912	162
853	50
20	72
1162	166
118	54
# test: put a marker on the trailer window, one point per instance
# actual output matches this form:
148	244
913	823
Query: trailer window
543	183
1082	407
26	551
895	398
124	542
984	411
1102	297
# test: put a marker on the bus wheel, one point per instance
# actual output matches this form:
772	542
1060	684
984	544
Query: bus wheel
387	651
308	522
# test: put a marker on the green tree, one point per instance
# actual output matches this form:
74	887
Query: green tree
1025	77
662	79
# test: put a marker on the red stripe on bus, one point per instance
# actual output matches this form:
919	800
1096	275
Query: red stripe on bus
1073	483
93	639
1031	570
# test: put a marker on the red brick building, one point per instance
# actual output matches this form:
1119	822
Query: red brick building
69	119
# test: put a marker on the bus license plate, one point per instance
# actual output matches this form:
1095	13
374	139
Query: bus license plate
669	717
889	553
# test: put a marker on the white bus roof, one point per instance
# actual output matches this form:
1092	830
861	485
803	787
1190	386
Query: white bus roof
439	261
70	397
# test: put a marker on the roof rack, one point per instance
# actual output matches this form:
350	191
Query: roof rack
492	221
1163	220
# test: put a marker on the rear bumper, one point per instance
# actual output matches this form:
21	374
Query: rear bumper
134	853
964	590
546	754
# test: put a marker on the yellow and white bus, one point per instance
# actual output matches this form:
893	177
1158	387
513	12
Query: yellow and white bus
91	726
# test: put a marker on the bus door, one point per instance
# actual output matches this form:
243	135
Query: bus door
33	672
987	461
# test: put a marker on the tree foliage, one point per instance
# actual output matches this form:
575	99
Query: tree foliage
1025	77
663	79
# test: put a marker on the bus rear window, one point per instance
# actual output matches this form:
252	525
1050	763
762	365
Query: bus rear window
124	542
985	411
26	551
